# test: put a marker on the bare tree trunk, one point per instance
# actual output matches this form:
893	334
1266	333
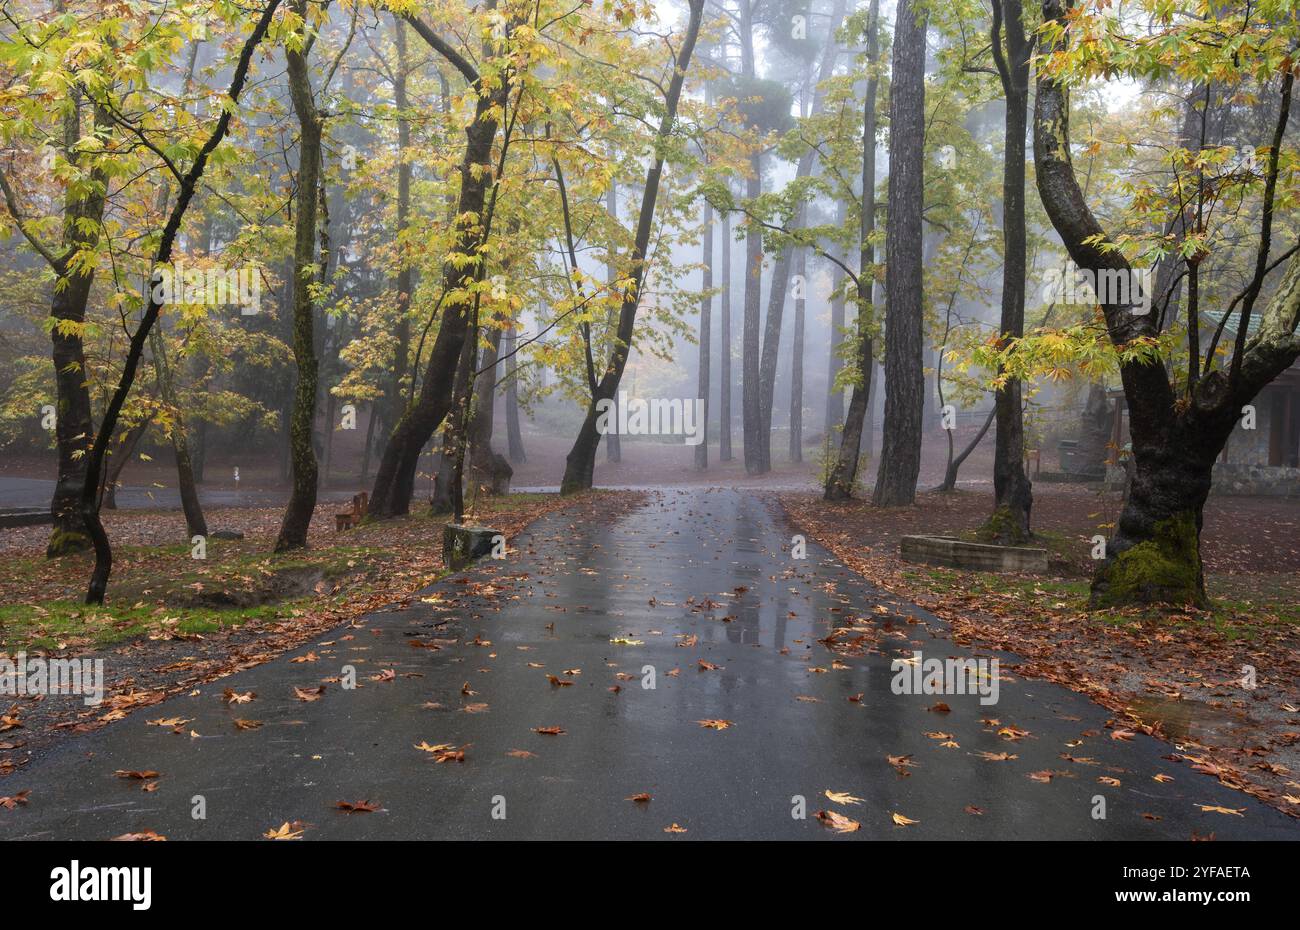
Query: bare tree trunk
706	312
724	352
487	465
613	443
796	362
126	445
513	436
751	397
955	462
900	458
771	347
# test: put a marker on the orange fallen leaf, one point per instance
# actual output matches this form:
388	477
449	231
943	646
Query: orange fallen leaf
838	822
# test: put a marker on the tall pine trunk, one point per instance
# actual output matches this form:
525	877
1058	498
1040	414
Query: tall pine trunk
514	437
706	312
900	456
834	396
843	476
751	396
1012	493
796	361
724	351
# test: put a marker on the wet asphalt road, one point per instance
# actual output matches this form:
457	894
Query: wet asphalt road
672	569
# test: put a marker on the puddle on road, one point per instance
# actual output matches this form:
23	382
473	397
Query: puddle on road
1188	720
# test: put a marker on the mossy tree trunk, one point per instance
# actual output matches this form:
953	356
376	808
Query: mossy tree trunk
1177	431
307	265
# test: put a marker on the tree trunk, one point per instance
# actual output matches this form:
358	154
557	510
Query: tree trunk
126	445
751	395
900	456
74	427
724	351
395	401
955	462
487	466
1154	555
514	437
843	476
395	479
581	461
189	182
706	312
796	361
771	348
447	489
1012	492
306	260
835	397
195	524
613	443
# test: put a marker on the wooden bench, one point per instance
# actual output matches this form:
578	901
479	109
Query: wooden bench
350	518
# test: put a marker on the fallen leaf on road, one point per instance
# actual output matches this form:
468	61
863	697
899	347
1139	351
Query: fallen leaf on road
11	802
901	820
838	822
714	724
842	797
357	807
286	831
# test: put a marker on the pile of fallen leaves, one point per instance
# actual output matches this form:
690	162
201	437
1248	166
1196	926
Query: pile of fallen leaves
1178	676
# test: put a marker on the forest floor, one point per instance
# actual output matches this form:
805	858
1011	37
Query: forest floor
1178	675
172	621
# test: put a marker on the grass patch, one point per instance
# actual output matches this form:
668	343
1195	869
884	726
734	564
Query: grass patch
53	625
